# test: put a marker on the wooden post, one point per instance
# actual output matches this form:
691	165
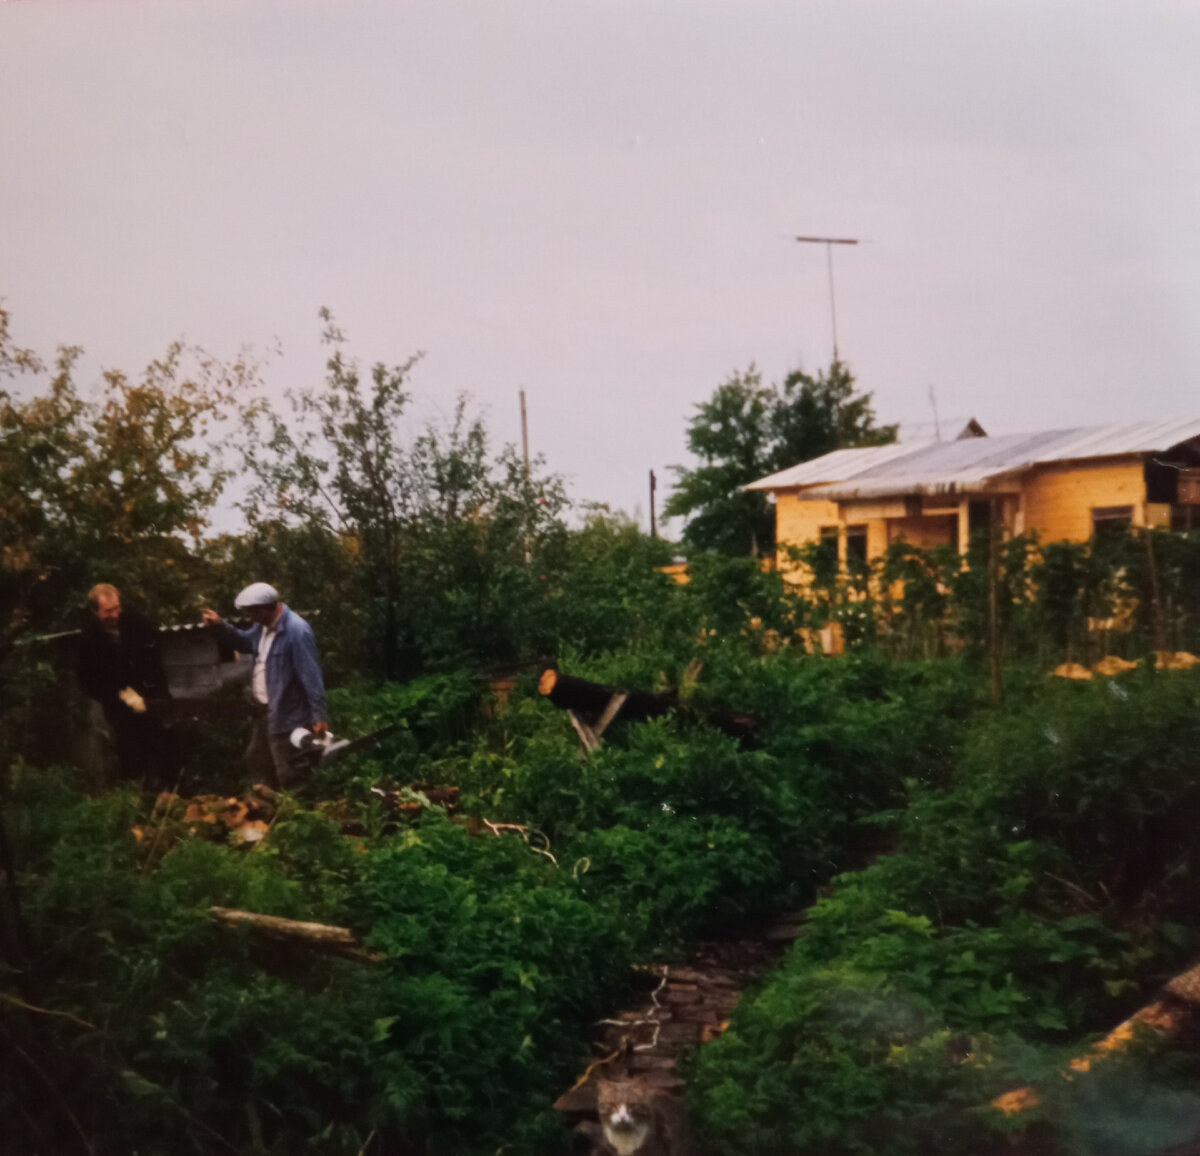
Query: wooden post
994	595
653	523
524	438
528	494
1160	625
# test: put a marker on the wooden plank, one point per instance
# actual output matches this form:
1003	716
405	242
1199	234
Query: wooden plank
615	703
586	735
323	937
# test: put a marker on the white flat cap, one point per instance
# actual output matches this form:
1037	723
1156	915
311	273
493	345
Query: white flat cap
257	594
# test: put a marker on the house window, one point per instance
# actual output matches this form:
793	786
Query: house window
979	517
1111	519
856	546
979	524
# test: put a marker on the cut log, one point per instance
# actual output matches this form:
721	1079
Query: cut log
339	941
567	692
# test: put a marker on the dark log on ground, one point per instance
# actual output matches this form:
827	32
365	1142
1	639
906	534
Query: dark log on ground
339	941
567	692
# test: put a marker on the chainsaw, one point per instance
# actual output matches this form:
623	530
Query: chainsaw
325	748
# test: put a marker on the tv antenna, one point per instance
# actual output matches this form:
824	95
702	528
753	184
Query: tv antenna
829	243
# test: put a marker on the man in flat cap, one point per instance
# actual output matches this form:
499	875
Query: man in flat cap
286	681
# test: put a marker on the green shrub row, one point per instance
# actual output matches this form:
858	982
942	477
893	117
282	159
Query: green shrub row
1042	893
497	951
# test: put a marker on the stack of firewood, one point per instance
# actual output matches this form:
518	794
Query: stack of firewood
246	821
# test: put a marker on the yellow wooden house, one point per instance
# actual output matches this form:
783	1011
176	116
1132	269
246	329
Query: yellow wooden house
1065	485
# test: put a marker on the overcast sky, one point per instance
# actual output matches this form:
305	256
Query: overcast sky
593	201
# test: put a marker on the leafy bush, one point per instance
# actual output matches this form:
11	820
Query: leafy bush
1041	893
492	965
608	592
671	823
1040	883
842	1062
689	831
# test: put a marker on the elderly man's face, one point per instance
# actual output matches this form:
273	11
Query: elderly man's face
108	610
263	615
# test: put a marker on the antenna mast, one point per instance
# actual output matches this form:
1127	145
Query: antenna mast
829	243
937	425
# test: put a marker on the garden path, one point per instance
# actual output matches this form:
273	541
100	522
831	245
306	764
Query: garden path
685	1005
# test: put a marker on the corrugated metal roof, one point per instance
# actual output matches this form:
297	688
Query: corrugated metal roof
837	466
970	465
1142	437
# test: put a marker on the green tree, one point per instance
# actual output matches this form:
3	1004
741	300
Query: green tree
813	416
611	591
334	469
117	485
446	541
732	435
485	540
747	430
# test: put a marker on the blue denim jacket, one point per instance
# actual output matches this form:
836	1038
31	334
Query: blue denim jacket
295	689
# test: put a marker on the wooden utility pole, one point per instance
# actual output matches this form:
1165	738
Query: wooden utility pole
528	492
994	595
829	243
524	437
653	523
1160	624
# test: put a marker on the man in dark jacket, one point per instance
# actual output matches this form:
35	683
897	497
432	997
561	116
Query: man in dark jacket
119	666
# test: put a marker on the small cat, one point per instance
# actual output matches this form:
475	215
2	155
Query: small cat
640	1120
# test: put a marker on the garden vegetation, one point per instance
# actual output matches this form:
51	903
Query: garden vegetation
988	887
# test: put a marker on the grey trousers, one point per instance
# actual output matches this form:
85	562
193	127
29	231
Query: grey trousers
272	758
